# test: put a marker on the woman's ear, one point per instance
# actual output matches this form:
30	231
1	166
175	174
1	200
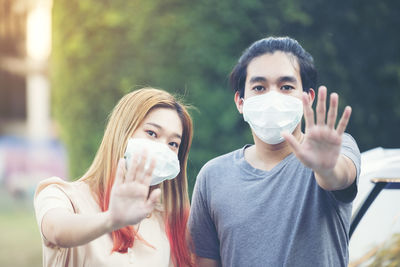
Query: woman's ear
239	102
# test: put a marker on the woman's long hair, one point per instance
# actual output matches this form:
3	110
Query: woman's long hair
125	119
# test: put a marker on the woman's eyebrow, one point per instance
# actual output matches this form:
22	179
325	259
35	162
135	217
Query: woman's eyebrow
162	129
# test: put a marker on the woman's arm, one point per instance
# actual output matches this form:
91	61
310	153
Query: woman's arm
65	229
129	204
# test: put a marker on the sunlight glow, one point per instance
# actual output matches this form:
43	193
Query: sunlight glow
39	33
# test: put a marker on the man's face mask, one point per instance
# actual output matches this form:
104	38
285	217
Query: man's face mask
167	163
272	113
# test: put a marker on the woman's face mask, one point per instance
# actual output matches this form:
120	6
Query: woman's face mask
272	113
167	163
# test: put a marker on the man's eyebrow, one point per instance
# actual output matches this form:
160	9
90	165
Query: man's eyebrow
257	79
291	79
161	128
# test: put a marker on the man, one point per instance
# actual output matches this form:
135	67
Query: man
286	200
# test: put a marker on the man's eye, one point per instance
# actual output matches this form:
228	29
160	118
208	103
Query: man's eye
151	133
287	87
258	88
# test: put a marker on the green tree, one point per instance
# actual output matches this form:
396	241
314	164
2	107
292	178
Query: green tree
103	49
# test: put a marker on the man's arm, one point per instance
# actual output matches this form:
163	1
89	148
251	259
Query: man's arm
340	177
201	226
320	148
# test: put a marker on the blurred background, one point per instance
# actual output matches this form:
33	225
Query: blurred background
64	64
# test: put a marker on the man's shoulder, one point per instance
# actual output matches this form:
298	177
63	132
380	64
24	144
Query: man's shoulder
227	158
348	138
220	164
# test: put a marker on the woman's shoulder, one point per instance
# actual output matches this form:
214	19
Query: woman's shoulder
76	194
53	182
56	185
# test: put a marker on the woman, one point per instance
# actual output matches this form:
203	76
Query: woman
112	216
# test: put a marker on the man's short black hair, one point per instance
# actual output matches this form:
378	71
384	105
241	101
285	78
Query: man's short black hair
270	45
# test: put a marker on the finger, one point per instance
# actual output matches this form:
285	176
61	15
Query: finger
148	175
120	173
131	173
344	120
140	172
293	143
332	113
321	105
308	111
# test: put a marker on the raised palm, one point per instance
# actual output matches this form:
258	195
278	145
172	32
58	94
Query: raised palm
320	148
130	201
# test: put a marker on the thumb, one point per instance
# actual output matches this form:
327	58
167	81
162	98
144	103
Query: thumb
291	140
154	198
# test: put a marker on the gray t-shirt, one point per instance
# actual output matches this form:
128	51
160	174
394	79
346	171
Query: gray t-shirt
249	217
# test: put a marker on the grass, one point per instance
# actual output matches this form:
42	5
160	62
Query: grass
20	243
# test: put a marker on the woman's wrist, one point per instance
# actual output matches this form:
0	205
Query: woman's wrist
109	223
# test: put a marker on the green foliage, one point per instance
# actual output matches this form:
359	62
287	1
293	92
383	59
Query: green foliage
103	49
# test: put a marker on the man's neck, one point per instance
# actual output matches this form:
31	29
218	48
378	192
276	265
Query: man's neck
265	156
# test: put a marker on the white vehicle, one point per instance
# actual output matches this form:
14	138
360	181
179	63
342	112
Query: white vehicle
376	209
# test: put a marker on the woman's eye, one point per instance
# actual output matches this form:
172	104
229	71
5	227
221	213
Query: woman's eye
151	133
258	88
287	87
174	144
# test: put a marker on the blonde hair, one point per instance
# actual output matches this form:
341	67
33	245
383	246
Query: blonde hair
124	120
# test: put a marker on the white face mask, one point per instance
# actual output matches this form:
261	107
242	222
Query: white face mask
272	113
167	163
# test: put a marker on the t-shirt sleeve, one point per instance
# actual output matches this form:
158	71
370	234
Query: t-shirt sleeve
350	150
201	225
50	197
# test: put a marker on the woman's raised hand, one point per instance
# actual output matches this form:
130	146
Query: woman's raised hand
130	201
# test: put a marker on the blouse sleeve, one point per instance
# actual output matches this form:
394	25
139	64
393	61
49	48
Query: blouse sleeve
47	197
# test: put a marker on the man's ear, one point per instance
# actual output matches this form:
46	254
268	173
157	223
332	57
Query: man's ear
239	102
311	95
